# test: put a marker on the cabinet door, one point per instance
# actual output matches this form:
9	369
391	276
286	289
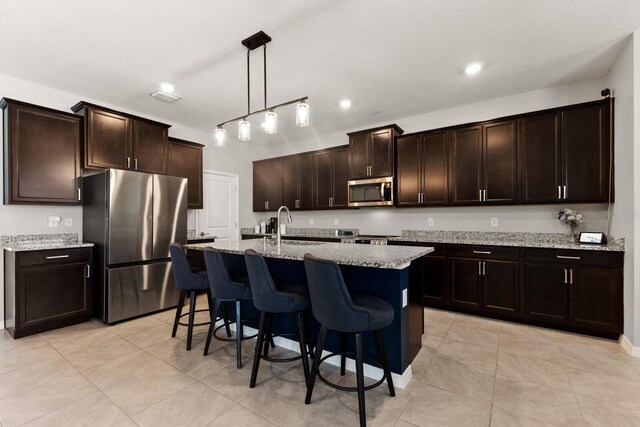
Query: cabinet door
43	156
323	179
434	281
274	184
305	181
359	155
540	158
465	165
545	292
290	184
499	162
500	286
185	160
465	279
260	185
434	169
340	178
109	140
50	293
409	174
594	298
150	147
381	153
586	144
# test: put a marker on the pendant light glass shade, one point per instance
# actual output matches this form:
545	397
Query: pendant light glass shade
220	137
270	122
302	114
244	130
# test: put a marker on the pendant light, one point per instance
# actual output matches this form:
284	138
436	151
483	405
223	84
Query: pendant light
270	124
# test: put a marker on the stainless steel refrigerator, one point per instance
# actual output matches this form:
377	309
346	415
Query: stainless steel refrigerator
132	217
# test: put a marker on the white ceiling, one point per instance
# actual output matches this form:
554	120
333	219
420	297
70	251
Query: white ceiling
391	58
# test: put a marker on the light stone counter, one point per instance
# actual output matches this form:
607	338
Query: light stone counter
391	257
40	242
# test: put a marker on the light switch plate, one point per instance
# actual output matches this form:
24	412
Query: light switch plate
430	221
405	298
310	221
494	221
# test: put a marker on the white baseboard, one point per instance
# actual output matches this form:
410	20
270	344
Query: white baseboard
399	381
629	348
1	324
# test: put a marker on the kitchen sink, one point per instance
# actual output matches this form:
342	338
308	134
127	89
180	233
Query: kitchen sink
296	242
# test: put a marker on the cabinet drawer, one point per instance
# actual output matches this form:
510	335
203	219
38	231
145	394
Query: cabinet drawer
484	252
439	249
53	256
577	257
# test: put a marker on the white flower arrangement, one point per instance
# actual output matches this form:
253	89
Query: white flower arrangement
570	217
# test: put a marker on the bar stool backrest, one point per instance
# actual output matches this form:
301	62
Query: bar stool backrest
266	296
180	266
222	287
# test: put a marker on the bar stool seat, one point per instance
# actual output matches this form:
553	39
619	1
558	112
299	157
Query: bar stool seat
337	310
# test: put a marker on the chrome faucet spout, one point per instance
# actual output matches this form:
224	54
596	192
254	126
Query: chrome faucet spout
278	232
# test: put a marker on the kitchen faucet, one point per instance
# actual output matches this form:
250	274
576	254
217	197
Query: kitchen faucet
279	233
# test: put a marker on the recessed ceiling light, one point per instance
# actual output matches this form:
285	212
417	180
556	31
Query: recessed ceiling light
473	68
345	103
167	87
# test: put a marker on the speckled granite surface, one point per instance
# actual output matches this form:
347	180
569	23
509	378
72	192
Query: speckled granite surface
525	240
193	235
394	257
37	242
307	232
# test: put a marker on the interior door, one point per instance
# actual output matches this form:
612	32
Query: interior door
219	217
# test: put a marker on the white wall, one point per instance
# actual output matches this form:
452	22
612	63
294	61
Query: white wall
510	218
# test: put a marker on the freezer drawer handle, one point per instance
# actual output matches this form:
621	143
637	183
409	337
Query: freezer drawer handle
567	257
57	256
482	252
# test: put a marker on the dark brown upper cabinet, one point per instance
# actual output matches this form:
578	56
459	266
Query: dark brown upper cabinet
330	173
565	154
297	181
421	173
483	164
371	152
117	140
267	185
42	154
185	160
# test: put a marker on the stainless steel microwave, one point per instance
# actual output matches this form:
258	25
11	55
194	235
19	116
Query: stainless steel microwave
371	192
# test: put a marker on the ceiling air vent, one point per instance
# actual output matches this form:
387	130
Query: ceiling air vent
164	96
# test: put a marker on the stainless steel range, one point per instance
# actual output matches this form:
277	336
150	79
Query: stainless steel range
366	239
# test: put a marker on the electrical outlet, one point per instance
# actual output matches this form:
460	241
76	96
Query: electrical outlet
430	221
494	221
336	221
405	299
68	222
310	221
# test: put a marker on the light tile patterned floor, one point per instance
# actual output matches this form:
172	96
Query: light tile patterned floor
470	371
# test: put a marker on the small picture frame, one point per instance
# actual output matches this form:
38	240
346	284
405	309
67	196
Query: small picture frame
592	238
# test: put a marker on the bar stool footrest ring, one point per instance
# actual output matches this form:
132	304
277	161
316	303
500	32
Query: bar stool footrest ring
244	338
288	359
343	388
195	324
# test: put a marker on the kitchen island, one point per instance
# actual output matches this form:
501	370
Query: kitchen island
383	271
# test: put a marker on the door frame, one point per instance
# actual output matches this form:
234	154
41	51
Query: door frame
236	178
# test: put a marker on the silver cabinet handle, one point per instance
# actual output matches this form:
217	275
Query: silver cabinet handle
564	192
567	257
128	162
57	256
480	195
267	204
421	197
479	268
565	275
484	268
482	252
135	163
79	194
571	276
88	272
560	192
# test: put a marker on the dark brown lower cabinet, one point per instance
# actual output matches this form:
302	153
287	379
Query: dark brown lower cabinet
465	282
46	290
545	293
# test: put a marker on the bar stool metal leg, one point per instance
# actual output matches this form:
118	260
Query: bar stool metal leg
239	333
192	313
256	359
212	326
385	361
303	348
225	317
316	363
183	296
360	380
343	357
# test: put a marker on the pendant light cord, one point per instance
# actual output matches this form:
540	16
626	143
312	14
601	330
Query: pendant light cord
248	83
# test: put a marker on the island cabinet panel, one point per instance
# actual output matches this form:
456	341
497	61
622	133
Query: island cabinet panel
122	141
483	164
330	176
267	185
371	152
565	154
297	181
42	155
185	160
432	273
422	169
46	290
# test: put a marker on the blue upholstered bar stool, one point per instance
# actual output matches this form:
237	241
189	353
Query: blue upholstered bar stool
223	289
192	283
270	300
337	310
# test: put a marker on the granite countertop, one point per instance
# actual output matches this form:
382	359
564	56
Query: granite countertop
39	242
307	232
193	235
525	240
393	257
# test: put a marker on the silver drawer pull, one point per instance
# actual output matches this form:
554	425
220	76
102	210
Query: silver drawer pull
567	257
57	256
482	252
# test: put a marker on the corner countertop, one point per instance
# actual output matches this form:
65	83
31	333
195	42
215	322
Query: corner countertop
40	242
391	257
